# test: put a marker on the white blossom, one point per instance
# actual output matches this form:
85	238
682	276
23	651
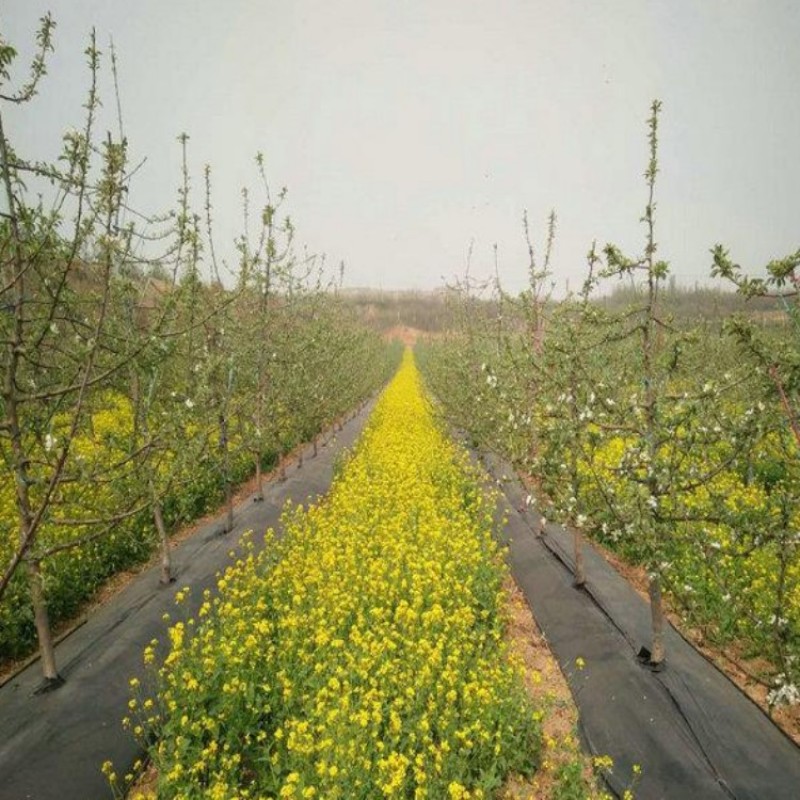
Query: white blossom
785	694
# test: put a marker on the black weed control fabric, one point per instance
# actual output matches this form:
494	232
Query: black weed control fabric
695	734
52	746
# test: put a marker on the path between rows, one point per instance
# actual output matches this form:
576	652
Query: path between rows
695	734
52	746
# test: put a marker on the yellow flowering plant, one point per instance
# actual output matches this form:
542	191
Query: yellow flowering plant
362	655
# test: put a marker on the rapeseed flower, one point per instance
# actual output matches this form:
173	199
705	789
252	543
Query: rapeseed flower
362	655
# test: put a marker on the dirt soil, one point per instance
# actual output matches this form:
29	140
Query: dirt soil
549	690
146	786
402	333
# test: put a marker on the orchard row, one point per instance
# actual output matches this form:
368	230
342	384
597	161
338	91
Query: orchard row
143	376
673	442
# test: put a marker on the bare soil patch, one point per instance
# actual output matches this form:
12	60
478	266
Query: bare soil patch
550	692
403	333
146	786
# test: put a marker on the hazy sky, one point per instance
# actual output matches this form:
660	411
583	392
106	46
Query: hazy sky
405	129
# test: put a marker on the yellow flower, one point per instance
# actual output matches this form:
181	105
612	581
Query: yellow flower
367	641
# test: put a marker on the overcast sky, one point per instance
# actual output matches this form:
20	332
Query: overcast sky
405	129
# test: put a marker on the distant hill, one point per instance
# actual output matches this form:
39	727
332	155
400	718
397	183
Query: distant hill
385	310
700	302
408	314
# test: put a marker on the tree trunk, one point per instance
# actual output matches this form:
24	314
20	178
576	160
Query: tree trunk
229	504
259	496
43	631
166	557
226	472
657	654
14	275
281	466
